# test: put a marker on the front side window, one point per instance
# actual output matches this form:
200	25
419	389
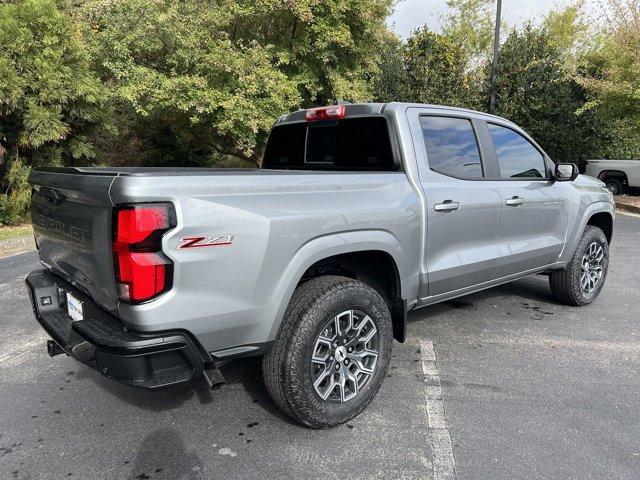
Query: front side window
452	148
517	157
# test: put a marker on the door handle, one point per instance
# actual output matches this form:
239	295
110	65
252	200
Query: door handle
446	206
515	201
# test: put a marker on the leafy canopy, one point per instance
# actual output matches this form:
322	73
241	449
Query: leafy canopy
215	75
51	99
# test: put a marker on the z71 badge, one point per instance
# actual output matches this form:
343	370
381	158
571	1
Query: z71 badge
206	241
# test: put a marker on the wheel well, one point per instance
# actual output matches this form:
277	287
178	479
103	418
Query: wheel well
377	269
604	221
612	173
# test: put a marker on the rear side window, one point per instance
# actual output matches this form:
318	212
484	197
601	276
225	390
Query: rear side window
517	157
452	148
347	144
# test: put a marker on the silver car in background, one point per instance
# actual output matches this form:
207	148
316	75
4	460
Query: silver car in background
617	175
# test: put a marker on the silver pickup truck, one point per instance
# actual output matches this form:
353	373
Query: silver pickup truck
360	213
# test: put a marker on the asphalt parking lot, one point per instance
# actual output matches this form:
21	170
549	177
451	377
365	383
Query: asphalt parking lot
530	389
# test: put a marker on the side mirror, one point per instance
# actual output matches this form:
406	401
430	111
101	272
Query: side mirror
566	172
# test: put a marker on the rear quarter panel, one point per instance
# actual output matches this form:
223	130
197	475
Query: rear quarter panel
282	223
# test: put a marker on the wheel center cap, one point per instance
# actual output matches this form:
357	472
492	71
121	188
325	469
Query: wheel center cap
341	354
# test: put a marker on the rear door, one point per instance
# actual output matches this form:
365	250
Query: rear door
71	214
463	206
534	214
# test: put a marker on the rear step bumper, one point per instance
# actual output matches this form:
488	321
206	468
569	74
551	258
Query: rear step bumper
103	343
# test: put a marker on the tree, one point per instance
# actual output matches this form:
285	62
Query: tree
52	101
470	24
535	91
435	69
203	81
610	71
391	81
567	29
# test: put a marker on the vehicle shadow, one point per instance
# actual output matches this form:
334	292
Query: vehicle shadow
163	453
246	372
529	289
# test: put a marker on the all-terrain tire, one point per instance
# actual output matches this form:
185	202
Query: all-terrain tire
287	367
565	284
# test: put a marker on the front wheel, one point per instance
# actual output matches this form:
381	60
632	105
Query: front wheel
332	351
584	277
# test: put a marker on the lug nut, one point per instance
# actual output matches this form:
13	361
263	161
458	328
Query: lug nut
331	359
344	341
337	366
346	362
350	349
335	344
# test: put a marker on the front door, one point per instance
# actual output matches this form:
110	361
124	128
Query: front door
534	220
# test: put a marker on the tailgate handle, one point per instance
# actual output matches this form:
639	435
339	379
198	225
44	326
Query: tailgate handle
54	196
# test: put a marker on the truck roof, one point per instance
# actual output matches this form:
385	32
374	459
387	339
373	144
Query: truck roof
357	109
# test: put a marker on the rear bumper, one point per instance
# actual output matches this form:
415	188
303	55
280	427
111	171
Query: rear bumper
103	343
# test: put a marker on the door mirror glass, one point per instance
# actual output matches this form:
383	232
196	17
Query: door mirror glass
566	172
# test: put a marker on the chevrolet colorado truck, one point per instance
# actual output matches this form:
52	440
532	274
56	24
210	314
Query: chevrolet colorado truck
616	174
359	214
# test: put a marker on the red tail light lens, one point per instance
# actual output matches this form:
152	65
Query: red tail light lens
326	113
142	272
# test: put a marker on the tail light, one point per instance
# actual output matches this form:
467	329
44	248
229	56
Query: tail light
142	272
326	113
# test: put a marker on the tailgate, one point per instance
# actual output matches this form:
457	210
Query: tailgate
71	214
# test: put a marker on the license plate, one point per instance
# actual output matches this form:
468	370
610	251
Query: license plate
74	308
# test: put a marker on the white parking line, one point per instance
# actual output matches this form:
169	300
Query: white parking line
444	467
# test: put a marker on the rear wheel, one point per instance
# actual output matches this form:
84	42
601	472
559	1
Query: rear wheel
332	351
585	275
615	185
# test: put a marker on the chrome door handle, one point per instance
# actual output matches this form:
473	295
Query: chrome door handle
446	206
515	201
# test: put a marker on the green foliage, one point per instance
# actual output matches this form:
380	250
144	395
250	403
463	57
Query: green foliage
15	202
436	70
391	80
470	24
610	71
567	29
50	97
536	91
203	81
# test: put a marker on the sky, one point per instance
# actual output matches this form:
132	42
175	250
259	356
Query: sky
411	14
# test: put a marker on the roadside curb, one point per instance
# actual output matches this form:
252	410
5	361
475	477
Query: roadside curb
627	207
17	245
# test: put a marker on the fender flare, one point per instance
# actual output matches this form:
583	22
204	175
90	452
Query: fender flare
592	209
326	246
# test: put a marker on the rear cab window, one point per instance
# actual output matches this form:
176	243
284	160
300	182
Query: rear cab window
452	147
359	143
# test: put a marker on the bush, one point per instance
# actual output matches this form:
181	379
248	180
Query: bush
14	205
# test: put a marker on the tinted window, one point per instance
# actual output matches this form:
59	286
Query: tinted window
452	148
517	157
347	144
